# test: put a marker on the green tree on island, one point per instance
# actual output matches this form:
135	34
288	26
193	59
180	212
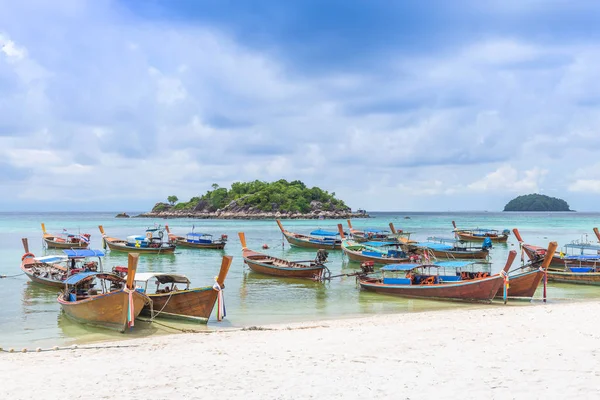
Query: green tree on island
172	200
536	202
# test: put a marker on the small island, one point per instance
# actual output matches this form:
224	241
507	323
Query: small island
536	202
258	200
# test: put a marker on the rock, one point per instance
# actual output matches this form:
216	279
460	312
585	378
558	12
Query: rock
122	215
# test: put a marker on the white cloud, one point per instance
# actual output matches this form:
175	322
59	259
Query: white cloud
507	178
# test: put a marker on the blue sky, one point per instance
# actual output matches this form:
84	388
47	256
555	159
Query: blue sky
433	106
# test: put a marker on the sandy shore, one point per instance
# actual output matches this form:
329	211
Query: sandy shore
538	351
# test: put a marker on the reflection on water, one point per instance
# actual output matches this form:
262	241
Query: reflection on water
31	316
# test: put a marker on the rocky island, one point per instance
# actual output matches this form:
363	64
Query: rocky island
536	202
258	200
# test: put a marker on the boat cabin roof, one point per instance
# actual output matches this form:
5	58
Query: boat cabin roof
438	264
379	244
443	239
77	278
162	277
373	230
51	259
198	234
434	246
583	246
322	232
82	253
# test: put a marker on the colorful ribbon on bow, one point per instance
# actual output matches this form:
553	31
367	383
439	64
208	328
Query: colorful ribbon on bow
506	285
221	312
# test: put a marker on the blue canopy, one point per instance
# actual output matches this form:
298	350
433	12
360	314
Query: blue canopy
435	246
453	264
197	234
83	253
372	230
400	267
380	244
321	232
583	246
74	279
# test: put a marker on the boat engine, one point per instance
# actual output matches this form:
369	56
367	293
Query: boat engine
321	257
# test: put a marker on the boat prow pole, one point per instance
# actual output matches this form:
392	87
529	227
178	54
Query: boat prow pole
341	230
597	233
44	228
393	228
280	226
167	229
349	224
242	236
518	235
25	244
454	225
552	246
509	261
225	264
132	262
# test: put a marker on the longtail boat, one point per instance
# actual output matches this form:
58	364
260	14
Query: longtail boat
378	235
524	281
197	240
169	301
451	248
65	240
104	300
480	234
427	281
377	252
318	239
151	243
573	254
268	265
53	270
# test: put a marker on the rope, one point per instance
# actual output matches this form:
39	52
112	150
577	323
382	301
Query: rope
161	310
221	312
11	276
73	347
130	307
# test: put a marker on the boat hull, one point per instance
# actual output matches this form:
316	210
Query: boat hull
462	255
26	267
184	243
536	253
308	244
476	238
120	245
522	285
472	290
106	311
53	244
192	304
582	278
357	256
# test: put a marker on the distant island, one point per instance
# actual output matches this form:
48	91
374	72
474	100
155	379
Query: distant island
536	202
257	200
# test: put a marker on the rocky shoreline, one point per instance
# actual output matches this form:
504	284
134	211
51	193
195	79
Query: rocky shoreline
251	215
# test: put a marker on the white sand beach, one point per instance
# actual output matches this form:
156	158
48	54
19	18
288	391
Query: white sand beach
524	352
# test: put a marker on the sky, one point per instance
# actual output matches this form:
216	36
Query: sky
393	105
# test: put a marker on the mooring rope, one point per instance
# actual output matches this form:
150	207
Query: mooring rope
11	276
56	348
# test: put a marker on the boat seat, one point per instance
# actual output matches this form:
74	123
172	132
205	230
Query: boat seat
449	278
371	253
263	260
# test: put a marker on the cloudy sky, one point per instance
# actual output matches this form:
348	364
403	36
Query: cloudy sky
413	105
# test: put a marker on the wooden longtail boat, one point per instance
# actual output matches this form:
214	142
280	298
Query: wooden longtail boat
268	265
310	241
420	282
524	281
451	249
52	270
579	269
152	243
479	234
377	252
65	240
104	300
378	235
562	259
196	240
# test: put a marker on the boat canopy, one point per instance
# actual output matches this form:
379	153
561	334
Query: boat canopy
321	232
51	259
162	277
81	253
372	230
379	244
443	239
437	264
197	234
74	279
400	267
135	238
434	246
583	246
454	264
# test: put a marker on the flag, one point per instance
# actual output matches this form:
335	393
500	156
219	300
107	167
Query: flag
426	255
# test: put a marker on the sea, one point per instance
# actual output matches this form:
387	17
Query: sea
30	316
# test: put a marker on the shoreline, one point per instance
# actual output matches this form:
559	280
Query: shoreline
247	216
534	350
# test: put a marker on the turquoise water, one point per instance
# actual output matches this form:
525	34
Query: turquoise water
30	315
